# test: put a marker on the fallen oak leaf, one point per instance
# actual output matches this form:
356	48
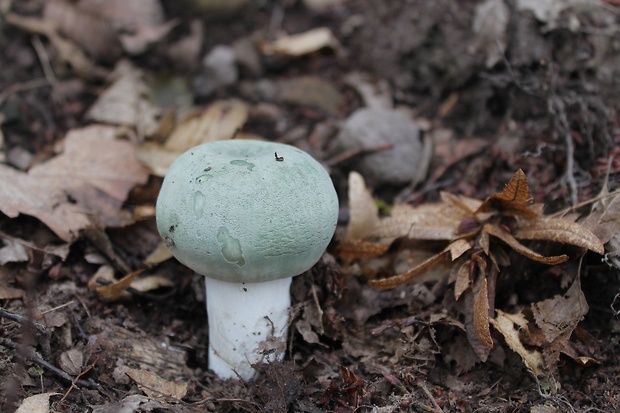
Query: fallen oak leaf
88	181
21	193
95	157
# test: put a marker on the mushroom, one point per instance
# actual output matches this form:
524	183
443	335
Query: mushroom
248	215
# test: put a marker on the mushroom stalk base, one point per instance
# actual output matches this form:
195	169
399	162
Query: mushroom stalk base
248	323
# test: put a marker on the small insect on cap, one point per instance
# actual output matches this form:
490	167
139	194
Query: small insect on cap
246	210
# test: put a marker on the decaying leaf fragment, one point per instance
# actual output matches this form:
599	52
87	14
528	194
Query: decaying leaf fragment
156	387
509	326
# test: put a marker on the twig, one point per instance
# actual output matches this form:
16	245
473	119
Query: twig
22	320
28	354
584	203
57	308
557	109
347	155
23	87
83	372
436	407
45	61
138	293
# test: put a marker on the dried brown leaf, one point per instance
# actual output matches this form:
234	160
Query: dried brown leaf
351	250
481	314
604	220
91	178
219	121
156	387
505	323
559	230
437	221
160	254
117	290
151	282
520	248
515	199
67	50
395	281
462	281
363	212
71	361
90	31
558	317
124	102
9	293
459	247
301	43
39	403
12	251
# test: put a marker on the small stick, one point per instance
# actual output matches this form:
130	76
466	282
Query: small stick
137	293
83	372
347	155
22	320
436	407
31	355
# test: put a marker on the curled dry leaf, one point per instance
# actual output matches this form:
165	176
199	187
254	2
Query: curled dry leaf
481	314
115	291
461	220
301	44
393	282
160	254
505	236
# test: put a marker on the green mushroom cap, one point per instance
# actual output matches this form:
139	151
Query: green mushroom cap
235	211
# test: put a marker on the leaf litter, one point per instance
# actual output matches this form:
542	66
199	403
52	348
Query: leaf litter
480	237
492	276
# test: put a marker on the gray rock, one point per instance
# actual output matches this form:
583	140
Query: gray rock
219	70
368	130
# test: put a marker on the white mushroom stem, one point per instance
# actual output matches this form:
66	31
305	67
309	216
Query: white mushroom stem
248	323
